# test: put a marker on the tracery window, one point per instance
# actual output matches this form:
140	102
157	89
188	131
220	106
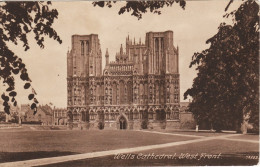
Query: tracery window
92	115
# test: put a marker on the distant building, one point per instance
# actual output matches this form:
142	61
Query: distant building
184	106
43	115
141	89
60	116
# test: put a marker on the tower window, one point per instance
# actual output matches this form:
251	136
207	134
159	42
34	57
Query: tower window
87	47
82	48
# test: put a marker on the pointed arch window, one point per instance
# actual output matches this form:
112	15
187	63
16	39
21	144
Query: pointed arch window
82	48
156	54
87	47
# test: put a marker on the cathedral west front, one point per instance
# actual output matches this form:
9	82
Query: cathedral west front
139	90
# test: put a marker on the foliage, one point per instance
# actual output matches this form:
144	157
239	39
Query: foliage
17	20
226	88
144	124
14	117
139	7
2	117
101	125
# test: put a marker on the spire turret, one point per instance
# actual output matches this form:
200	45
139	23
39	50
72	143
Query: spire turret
121	49
107	54
107	57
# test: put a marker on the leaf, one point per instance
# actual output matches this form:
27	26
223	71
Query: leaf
7	110
5	98
24	77
35	100
9	89
13	93
33	106
31	96
27	85
35	111
15	71
5	103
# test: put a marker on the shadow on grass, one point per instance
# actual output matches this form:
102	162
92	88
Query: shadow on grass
21	156
240	159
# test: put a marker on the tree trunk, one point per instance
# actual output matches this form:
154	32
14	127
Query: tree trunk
244	127
238	127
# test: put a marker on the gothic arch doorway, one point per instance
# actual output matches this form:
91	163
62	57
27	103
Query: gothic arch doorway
122	123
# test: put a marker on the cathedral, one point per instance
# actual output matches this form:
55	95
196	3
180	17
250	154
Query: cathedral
139	90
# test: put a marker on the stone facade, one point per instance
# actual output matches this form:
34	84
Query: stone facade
60	116
139	90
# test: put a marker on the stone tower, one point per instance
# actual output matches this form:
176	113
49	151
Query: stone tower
83	60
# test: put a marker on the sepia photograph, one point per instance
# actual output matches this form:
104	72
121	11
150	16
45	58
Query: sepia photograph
129	83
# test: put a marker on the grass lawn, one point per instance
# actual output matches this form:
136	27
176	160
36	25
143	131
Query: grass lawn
247	137
231	153
21	144
24	145
200	133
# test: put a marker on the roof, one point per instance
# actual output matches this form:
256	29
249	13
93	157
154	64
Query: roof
59	109
44	108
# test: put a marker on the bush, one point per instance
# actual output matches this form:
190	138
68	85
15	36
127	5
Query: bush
144	124
32	122
101	125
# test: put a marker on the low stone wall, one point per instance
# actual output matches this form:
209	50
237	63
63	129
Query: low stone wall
136	125
172	124
131	125
8	126
156	124
187	121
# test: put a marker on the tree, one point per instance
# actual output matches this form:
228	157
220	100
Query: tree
139	7
17	20
226	87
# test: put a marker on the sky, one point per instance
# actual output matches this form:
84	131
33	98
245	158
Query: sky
47	67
